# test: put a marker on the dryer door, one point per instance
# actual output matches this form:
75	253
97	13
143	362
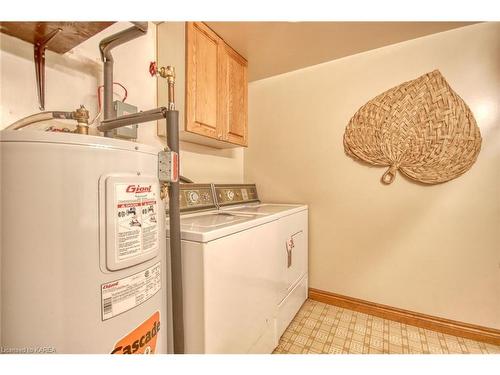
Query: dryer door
296	253
294	249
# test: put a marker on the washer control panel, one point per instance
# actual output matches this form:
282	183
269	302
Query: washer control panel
235	194
196	197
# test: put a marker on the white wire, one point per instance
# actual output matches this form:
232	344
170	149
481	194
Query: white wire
95	118
100	113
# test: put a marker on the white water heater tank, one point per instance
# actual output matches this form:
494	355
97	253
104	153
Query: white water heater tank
83	262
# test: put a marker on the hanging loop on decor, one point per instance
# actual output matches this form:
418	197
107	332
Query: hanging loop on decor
389	175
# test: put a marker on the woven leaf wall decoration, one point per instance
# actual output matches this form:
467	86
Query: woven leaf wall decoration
421	128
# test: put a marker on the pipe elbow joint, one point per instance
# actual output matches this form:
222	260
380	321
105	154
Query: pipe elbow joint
112	41
142	26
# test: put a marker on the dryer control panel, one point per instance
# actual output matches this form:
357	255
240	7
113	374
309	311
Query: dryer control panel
226	195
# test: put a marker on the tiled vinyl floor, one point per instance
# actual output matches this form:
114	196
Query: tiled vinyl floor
321	328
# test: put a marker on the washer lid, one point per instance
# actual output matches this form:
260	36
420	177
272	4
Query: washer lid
213	220
267	209
208	226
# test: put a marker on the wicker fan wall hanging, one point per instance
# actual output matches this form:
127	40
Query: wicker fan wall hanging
421	128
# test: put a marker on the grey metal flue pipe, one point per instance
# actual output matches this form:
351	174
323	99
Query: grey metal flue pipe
172	120
175	238
106	45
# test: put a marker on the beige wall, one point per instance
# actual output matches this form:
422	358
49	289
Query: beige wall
72	79
431	249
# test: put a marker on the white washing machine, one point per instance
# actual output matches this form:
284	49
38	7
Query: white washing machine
230	279
244	268
292	244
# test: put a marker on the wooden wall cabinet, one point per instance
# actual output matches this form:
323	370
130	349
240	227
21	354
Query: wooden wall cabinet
203	80
214	93
233	100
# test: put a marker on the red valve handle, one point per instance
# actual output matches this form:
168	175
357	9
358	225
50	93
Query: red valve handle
153	68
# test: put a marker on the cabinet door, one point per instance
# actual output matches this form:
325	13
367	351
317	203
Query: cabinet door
203	55
233	103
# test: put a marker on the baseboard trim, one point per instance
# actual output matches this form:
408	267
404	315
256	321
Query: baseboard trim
452	327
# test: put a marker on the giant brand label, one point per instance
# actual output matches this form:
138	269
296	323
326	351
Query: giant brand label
122	295
142	340
136	215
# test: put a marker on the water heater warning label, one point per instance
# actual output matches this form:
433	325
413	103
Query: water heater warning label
136	210
122	295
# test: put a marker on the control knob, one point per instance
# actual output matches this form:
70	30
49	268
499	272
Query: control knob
193	196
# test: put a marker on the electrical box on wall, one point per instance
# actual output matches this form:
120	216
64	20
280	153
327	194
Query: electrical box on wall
121	109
